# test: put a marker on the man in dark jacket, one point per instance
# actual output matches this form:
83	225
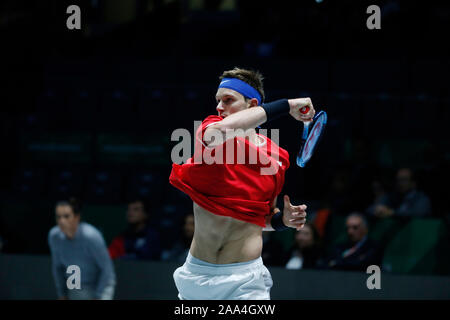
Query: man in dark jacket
359	251
407	201
139	240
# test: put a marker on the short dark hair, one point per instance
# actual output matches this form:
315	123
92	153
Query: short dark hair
251	77
145	204
73	203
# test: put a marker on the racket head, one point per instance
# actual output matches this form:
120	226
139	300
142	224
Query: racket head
313	131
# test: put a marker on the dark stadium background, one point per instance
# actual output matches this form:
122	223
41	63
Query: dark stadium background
90	112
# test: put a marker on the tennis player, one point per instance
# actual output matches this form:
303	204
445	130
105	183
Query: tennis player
233	202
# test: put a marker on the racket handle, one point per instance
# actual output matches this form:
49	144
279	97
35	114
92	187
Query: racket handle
304	110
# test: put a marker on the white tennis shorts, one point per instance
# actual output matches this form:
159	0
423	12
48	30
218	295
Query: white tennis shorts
200	280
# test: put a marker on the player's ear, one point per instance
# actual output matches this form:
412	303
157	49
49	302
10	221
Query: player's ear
253	102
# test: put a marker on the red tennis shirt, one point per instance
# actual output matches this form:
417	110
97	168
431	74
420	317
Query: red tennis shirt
237	188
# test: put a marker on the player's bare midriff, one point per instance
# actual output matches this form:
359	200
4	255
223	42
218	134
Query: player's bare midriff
222	240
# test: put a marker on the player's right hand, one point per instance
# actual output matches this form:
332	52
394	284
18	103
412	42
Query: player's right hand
301	109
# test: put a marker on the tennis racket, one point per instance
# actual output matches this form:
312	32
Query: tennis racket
312	132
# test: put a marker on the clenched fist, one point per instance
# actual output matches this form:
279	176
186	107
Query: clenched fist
301	109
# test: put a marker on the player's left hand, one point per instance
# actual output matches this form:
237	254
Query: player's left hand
294	216
301	109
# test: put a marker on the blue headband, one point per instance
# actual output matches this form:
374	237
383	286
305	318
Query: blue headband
242	87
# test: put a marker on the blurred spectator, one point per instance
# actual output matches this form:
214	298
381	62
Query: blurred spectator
379	191
306	249
273	253
358	252
140	240
337	198
78	243
380	194
407	201
180	250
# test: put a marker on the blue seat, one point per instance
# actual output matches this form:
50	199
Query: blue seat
66	183
117	110
30	183
51	107
117	99
156	108
103	186
83	108
145	184
51	99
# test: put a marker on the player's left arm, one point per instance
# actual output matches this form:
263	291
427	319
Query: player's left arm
293	216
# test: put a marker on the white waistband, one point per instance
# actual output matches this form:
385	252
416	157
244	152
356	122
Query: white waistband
199	266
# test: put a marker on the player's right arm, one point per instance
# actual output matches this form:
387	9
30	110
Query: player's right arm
251	118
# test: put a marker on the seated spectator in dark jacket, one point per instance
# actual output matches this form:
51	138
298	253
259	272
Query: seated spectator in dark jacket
358	252
407	201
306	249
140	240
179	251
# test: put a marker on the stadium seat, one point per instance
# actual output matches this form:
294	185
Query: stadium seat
145	184
117	110
51	107
398	152
383	230
200	99
83	105
155	102
132	149
56	148
66	183
344	113
29	183
415	248
103	187
33	122
52	99
117	100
